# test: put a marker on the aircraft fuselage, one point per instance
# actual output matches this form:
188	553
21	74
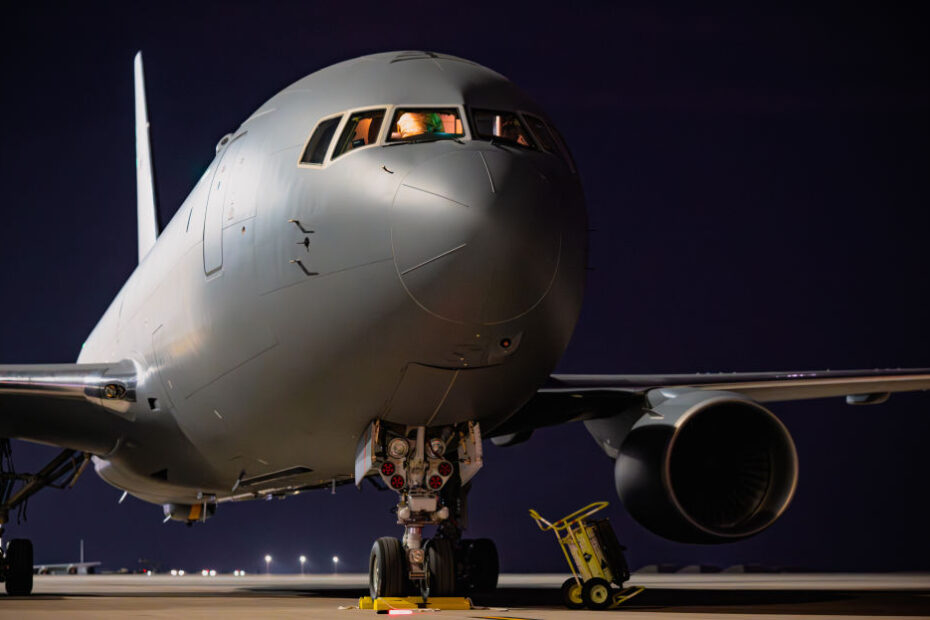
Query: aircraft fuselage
287	304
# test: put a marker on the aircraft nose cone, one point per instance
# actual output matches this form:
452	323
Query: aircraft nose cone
476	236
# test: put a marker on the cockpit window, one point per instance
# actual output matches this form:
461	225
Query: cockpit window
425	125
549	138
541	132
361	129
315	152
563	147
503	127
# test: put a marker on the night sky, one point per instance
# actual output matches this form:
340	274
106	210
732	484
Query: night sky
757	178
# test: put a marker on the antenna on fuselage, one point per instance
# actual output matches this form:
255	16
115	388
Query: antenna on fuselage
146	208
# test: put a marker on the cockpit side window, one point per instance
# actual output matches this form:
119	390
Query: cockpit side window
549	138
315	152
361	129
563	147
505	127
425	125
542	134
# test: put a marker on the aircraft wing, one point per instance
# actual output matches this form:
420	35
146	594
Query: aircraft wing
79	406
566	398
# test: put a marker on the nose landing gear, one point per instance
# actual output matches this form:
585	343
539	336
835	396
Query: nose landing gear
430	470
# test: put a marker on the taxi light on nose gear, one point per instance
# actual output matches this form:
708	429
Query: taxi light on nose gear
398	448
397	481
387	468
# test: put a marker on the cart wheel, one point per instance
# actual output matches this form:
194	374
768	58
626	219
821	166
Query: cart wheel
596	593
571	594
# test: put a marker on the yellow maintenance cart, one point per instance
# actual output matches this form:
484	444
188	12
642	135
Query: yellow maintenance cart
595	558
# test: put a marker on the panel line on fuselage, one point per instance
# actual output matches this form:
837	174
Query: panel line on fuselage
330	273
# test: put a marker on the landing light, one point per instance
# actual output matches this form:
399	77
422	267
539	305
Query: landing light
212	572
398	448
174	573
180	573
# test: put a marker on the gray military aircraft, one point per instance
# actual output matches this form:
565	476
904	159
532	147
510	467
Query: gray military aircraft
380	268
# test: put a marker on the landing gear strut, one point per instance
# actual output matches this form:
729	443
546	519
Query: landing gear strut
430	470
61	472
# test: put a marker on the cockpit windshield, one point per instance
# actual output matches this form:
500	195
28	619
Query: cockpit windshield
503	127
425	125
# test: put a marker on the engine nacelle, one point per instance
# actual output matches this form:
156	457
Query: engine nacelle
188	513
706	467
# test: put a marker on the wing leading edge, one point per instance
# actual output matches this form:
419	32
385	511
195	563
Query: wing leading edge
566	398
84	407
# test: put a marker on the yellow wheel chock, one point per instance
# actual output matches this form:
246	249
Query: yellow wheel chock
386	603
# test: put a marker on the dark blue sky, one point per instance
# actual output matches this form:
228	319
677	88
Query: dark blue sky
757	177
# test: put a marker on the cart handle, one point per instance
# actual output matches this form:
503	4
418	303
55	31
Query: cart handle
562	523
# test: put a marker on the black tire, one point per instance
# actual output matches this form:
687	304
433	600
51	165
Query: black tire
571	594
386	574
596	593
482	565
440	563
19	559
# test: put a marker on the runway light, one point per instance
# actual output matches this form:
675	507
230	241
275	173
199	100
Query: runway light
400	612
303	560
335	563
268	564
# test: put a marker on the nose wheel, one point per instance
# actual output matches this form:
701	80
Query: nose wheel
429	469
386	568
440	568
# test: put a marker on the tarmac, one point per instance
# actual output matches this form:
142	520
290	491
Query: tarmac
521	597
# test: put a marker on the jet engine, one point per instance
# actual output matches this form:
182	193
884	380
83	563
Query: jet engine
706	467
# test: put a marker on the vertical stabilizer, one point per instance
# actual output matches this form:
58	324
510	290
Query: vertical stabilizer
145	183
